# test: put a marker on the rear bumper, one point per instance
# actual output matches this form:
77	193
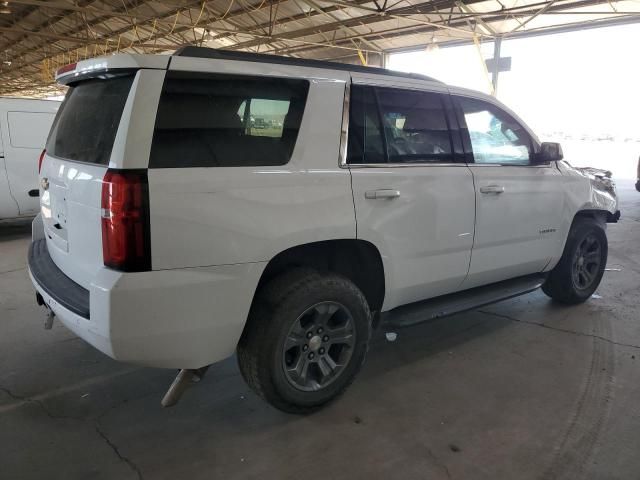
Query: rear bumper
181	318
79	325
56	284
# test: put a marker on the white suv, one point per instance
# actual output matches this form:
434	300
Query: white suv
209	202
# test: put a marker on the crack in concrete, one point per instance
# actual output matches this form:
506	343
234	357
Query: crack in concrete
109	442
25	399
564	330
14	270
116	450
439	463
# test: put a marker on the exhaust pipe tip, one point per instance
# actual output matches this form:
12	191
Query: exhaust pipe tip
184	379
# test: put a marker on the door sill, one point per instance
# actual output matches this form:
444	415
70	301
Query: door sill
445	305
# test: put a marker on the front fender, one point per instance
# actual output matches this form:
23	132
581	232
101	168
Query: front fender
596	192
586	190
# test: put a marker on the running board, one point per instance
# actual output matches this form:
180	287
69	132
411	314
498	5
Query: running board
453	303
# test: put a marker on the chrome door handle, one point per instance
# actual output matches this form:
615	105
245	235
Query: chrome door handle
496	189
374	194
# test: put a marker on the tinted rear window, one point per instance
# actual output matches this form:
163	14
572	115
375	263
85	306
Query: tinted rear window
86	124
227	121
389	125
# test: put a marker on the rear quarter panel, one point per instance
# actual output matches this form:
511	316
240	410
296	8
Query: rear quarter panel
229	215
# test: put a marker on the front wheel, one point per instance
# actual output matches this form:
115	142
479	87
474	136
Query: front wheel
582	265
305	340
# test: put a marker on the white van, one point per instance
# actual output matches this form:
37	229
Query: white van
209	202
24	126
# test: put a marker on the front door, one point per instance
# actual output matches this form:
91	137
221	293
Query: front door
413	193
518	203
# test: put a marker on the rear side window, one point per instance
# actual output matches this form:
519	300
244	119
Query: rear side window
415	126
389	125
208	120
88	119
366	142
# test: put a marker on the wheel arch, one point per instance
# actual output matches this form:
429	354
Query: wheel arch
601	216
358	260
561	284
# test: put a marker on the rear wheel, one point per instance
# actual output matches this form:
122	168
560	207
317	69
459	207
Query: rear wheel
305	340
582	265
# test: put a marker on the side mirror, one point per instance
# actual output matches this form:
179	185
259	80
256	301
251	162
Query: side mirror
549	152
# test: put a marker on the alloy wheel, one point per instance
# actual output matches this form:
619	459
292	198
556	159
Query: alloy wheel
587	260
319	345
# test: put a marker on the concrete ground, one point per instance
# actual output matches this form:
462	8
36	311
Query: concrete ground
524	389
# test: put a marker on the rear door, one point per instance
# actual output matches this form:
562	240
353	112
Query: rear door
244	164
519	204
26	134
413	193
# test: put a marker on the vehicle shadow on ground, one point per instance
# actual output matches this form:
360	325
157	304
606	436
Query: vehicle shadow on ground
223	393
225	400
15	230
419	342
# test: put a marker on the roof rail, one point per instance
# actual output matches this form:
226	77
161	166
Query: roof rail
205	52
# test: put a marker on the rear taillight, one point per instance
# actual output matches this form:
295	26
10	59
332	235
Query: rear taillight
40	160
126	242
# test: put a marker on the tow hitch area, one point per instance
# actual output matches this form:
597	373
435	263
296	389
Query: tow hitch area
48	322
183	380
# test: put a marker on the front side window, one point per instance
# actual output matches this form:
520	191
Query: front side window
206	120
388	125
495	136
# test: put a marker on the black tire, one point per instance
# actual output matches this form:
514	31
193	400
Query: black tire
276	321
573	281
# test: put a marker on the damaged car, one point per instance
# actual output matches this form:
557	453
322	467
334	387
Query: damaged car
174	231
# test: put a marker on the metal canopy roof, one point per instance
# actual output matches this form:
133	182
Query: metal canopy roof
38	36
